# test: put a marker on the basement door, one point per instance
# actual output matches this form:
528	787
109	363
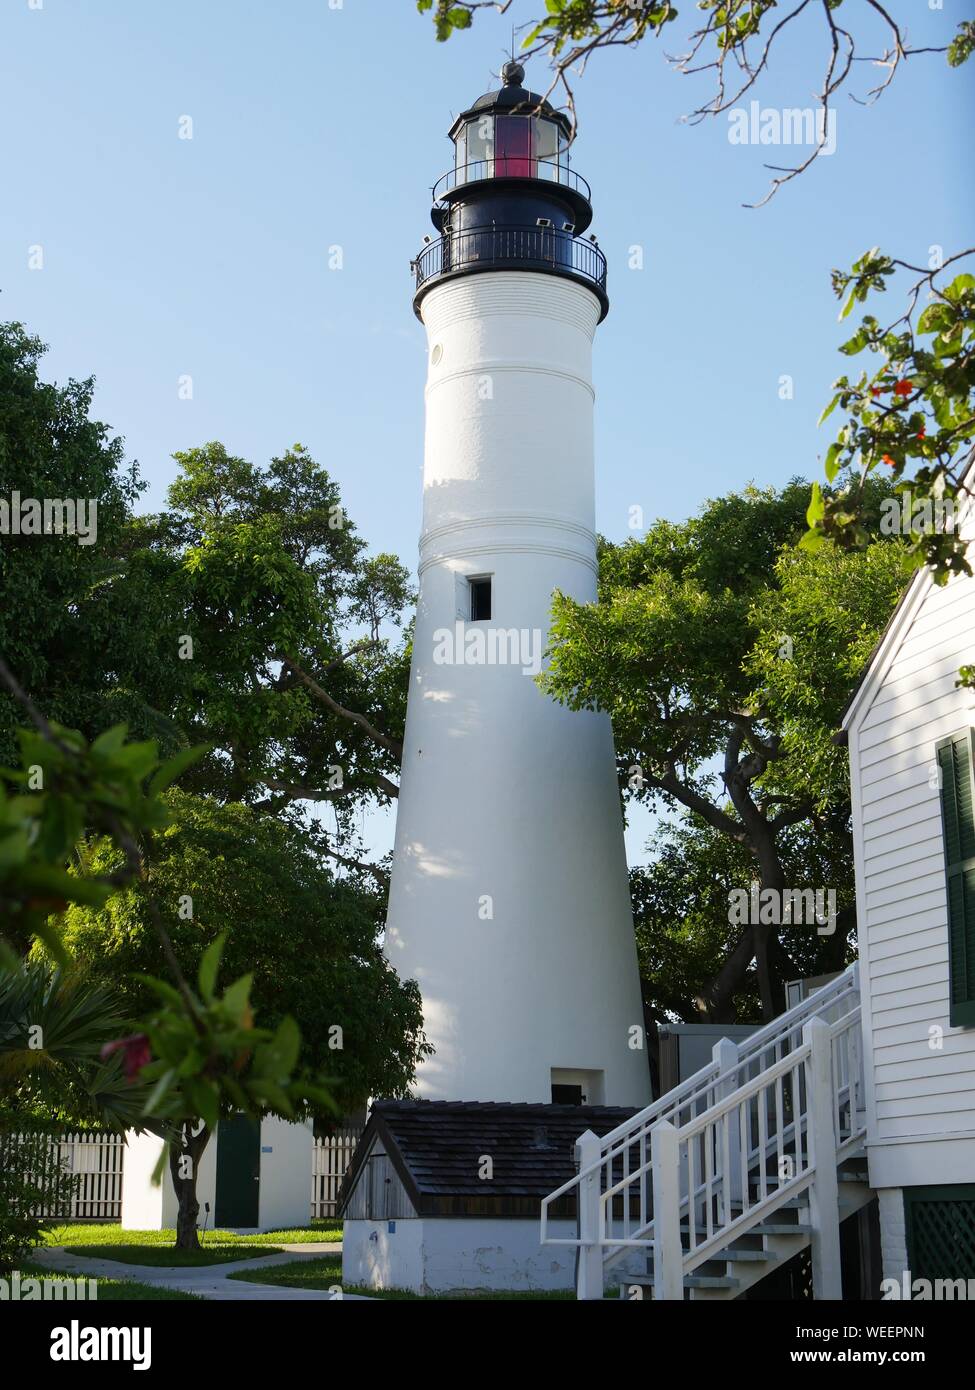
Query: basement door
238	1191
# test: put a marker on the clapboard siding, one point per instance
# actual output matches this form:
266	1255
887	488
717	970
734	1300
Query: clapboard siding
889	919
899	887
920	958
922	1071
907	854
954	1052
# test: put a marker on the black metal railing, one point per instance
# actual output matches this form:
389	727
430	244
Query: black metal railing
530	248
511	167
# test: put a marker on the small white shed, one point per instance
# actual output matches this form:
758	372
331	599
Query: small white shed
911	732
445	1196
253	1176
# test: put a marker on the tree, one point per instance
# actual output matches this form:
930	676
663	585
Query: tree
724	656
914	415
200	1051
733	42
49	448
682	920
311	942
248	615
266	632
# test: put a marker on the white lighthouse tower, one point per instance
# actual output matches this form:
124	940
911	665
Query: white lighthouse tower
509	902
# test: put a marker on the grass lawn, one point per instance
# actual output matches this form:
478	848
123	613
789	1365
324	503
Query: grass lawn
325	1271
157	1247
118	1290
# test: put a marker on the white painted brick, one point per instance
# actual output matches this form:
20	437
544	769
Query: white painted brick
893	1238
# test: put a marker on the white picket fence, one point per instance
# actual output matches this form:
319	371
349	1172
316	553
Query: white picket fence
97	1160
330	1159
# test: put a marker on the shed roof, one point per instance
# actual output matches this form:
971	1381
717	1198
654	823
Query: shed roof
438	1147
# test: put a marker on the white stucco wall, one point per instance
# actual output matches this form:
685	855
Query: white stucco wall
509	803
443	1254
148	1207
437	1255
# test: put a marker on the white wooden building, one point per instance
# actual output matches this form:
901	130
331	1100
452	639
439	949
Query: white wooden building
911	729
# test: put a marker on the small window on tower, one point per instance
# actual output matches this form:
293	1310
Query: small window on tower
480	600
567	1095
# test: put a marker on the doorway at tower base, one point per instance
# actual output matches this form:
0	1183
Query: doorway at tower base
445	1196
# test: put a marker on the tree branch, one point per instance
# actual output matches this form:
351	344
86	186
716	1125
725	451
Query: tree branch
392	745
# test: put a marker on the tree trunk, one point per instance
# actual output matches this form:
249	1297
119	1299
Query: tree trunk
184	1166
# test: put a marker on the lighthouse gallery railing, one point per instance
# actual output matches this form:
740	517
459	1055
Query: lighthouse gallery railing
540	248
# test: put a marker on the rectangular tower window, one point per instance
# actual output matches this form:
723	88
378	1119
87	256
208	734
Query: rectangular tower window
480	600
566	1095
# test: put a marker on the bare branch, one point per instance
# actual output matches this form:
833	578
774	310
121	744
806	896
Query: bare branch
392	745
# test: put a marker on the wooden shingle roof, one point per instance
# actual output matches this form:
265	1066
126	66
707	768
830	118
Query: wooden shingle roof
438	1150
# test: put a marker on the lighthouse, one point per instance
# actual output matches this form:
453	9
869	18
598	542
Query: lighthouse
509	899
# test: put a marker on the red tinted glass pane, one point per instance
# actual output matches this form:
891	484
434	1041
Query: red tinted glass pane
513	148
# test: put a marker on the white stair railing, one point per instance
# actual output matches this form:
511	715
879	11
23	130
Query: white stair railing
703	1149
777	1136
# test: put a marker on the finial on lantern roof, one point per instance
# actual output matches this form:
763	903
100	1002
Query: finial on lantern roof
513	74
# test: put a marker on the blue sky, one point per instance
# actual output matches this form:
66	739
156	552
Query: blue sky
316	127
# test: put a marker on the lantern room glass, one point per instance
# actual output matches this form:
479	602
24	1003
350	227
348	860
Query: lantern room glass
489	147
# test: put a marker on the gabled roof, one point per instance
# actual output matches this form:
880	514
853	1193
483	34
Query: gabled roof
437	1149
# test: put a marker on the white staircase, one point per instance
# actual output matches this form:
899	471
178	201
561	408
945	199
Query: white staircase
738	1169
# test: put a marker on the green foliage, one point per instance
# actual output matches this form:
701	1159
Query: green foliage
49	448
311	942
209	1060
911	413
681	917
249	566
201	1054
64	788
31	1177
177	625
962	45
689	629
53	1029
831	606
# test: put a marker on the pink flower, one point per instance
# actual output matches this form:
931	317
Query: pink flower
137	1053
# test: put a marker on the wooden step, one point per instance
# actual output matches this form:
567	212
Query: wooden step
781	1228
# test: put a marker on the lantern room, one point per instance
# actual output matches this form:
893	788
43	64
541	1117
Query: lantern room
511	201
511	134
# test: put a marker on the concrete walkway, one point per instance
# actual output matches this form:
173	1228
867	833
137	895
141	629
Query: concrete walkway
209	1281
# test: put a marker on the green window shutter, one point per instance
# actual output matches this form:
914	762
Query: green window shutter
958	815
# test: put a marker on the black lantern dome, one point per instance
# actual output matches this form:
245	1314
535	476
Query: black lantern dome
511	200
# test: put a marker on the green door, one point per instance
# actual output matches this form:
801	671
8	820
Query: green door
238	1172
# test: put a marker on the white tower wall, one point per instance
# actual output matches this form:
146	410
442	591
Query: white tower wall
509	803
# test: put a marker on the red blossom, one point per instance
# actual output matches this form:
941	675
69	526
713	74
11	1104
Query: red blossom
903	388
886	458
137	1053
